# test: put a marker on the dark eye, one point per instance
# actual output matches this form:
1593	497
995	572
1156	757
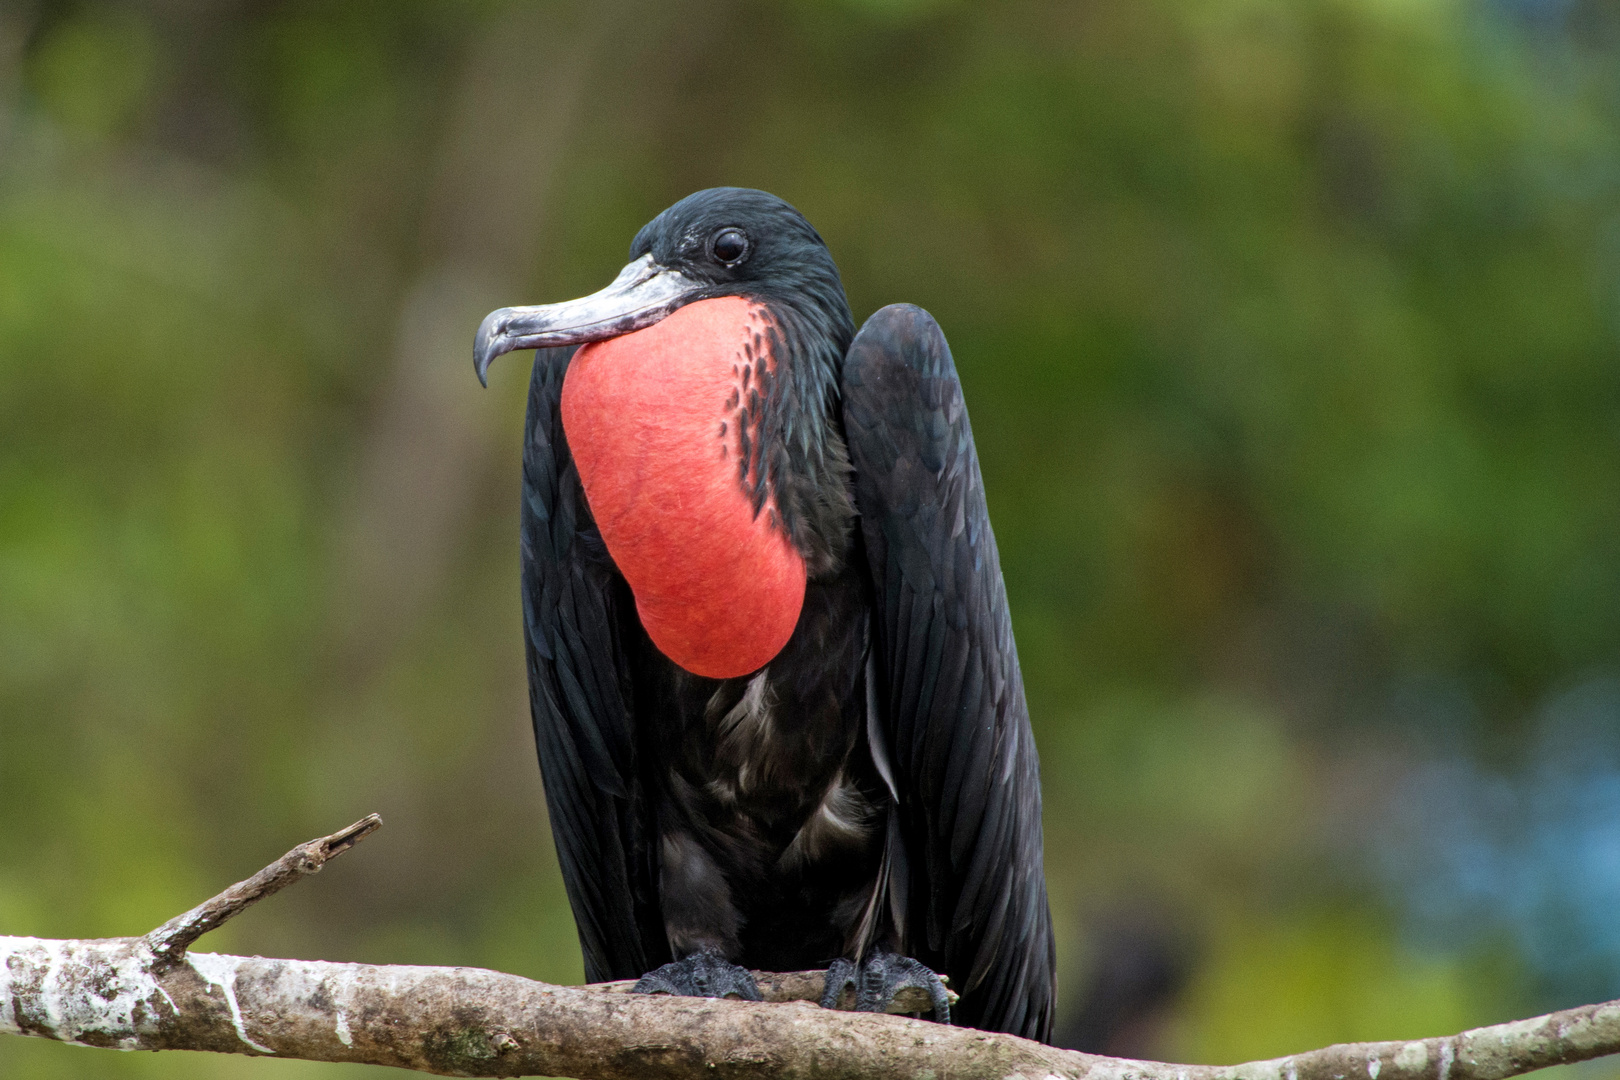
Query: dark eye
729	246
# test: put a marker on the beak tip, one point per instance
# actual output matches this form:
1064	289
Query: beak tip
488	344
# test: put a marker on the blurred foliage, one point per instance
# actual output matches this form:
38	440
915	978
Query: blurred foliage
1289	329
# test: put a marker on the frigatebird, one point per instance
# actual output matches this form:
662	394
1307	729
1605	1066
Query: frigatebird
771	669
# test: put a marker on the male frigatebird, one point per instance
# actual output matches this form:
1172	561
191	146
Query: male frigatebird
779	712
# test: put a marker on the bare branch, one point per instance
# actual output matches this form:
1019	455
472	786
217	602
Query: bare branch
149	993
471	1022
783	986
170	941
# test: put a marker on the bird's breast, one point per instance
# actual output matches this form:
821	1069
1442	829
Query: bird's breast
664	427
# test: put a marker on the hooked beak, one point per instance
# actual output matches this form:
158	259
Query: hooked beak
643	293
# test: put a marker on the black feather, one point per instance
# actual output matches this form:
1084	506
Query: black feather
953	700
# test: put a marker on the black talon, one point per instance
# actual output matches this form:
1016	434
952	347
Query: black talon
702	974
878	978
841	975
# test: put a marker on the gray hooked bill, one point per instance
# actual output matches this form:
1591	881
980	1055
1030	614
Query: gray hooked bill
643	293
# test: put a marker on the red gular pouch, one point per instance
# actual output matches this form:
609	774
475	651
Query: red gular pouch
657	421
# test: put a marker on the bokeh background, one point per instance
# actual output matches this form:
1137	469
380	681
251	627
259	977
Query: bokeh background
1290	331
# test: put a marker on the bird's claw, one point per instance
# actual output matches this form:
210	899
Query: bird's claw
702	974
878	978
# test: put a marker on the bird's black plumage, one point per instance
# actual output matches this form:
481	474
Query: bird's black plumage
874	788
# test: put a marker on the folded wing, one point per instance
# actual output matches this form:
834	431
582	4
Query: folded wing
950	696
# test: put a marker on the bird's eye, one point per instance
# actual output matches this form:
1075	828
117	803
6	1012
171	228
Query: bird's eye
729	246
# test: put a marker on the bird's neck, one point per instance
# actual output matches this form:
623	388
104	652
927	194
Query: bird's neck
804	461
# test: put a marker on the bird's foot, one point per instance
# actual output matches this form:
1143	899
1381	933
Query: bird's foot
879	978
702	974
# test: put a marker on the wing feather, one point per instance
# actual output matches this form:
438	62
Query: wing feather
951	699
579	697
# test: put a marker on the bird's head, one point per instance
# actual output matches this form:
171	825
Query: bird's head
717	242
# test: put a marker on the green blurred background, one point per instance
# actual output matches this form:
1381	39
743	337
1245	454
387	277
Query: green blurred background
1289	328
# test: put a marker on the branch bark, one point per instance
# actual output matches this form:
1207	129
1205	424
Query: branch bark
148	993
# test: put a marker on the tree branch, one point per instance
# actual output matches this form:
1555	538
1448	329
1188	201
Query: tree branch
148	993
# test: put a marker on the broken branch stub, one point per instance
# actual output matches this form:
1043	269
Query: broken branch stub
171	940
